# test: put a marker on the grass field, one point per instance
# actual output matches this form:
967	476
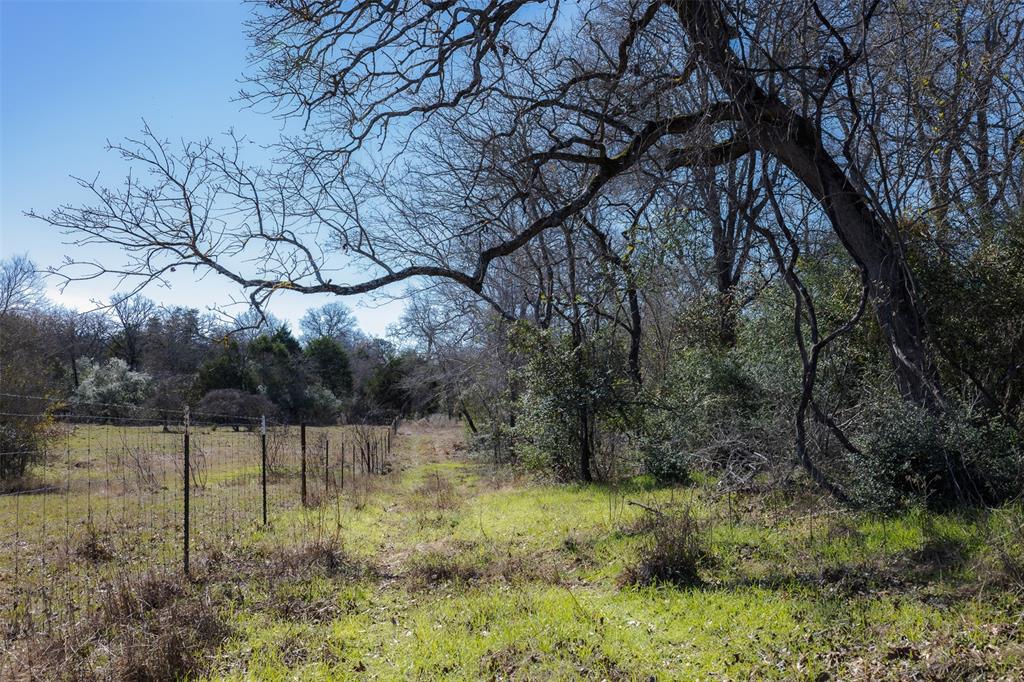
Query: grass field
442	569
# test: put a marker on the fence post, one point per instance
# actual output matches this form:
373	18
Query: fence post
343	464
327	468
185	469
263	466
302	442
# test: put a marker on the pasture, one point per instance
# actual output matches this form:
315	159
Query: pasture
442	568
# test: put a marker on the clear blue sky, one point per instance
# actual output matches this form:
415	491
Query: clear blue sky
75	74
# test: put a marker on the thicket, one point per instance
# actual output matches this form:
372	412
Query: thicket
727	407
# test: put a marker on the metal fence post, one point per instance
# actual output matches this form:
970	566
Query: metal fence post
302	446
185	470
263	467
327	467
342	464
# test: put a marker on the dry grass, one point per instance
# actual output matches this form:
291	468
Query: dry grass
151	627
676	550
438	492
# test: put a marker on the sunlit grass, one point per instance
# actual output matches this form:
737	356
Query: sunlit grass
455	571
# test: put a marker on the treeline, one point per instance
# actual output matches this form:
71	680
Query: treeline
676	346
137	359
767	240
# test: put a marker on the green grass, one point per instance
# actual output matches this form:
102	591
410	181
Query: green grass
451	572
494	580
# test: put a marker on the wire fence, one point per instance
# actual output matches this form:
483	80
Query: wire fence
111	495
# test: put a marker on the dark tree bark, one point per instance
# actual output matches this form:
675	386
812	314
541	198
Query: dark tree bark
774	128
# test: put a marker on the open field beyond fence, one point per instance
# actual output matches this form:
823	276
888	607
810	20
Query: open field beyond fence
109	500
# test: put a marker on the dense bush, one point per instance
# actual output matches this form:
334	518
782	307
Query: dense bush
227	405
570	390
322	406
26	382
974	296
709	409
912	456
331	365
111	389
23	441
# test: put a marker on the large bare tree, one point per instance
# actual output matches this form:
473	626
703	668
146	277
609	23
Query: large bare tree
558	109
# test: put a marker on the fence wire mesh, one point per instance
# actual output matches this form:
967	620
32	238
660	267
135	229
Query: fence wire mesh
108	497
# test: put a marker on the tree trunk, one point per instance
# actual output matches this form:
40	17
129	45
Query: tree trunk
635	335
771	126
469	419
585	449
891	283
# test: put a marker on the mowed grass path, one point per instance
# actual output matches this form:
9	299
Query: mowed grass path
442	570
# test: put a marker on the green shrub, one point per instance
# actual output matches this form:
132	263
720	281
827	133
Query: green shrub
912	456
569	392
711	409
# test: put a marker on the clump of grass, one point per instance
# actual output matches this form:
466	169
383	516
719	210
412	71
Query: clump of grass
27	485
676	550
325	557
1009	550
93	546
302	602
169	643
133	596
441	564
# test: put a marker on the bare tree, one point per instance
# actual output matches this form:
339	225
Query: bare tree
572	108
21	286
333	320
130	314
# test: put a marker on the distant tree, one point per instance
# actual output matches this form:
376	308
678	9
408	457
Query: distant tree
175	341
21	287
280	343
330	363
280	371
391	387
25	373
226	370
78	335
334	321
168	399
130	314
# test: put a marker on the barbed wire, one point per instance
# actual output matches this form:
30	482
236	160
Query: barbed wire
72	402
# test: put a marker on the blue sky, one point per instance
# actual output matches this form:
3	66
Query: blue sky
76	74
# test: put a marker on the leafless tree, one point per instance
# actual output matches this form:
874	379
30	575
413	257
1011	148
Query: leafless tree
21	286
130	314
573	108
333	320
